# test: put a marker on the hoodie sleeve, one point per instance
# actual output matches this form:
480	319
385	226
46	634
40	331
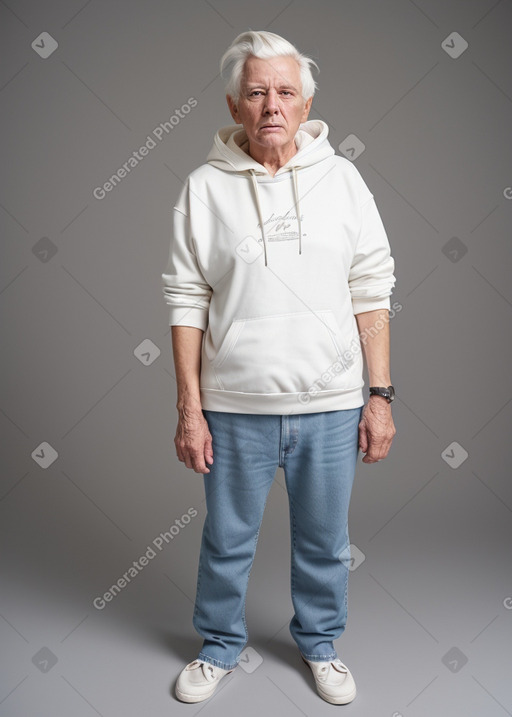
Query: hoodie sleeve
371	277
185	289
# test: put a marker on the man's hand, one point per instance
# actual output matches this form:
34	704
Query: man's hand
376	429
193	439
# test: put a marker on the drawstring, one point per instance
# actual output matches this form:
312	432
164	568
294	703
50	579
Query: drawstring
256	192
258	206
297	206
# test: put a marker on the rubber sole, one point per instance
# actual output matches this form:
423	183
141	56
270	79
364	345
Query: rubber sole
193	698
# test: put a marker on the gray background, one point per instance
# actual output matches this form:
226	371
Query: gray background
80	291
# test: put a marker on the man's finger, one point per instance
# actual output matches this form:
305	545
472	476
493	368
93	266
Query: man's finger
363	440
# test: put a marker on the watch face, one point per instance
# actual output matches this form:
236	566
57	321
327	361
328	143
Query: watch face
391	392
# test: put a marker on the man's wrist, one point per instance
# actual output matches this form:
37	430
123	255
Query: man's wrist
189	402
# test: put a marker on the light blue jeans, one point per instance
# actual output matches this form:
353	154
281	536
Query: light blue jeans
318	453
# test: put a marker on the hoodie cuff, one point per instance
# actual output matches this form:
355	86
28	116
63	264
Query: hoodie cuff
187	316
360	305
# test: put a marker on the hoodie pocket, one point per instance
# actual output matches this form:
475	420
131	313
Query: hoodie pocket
284	353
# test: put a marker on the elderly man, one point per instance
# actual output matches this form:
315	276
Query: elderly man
279	273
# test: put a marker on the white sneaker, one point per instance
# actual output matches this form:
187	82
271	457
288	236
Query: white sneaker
334	681
198	681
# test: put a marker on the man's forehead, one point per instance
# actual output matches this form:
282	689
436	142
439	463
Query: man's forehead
280	70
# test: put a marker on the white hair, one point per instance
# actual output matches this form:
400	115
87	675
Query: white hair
264	45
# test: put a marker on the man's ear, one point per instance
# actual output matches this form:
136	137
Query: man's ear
233	109
307	107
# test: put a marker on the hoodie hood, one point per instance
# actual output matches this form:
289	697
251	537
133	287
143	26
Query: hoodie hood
229	153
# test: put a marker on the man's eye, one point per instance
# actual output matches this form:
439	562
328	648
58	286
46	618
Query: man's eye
254	93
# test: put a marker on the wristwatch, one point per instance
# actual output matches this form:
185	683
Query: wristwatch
386	392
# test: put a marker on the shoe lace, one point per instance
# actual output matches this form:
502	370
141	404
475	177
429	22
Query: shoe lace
338	663
208	671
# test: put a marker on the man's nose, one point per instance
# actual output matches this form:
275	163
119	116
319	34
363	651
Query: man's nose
271	103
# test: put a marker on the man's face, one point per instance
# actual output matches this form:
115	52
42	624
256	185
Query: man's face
270	94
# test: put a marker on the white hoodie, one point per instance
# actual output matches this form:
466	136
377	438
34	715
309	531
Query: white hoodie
273	270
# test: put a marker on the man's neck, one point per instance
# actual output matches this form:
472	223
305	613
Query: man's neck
274	158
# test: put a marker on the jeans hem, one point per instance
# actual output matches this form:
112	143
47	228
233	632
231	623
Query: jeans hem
217	663
320	658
